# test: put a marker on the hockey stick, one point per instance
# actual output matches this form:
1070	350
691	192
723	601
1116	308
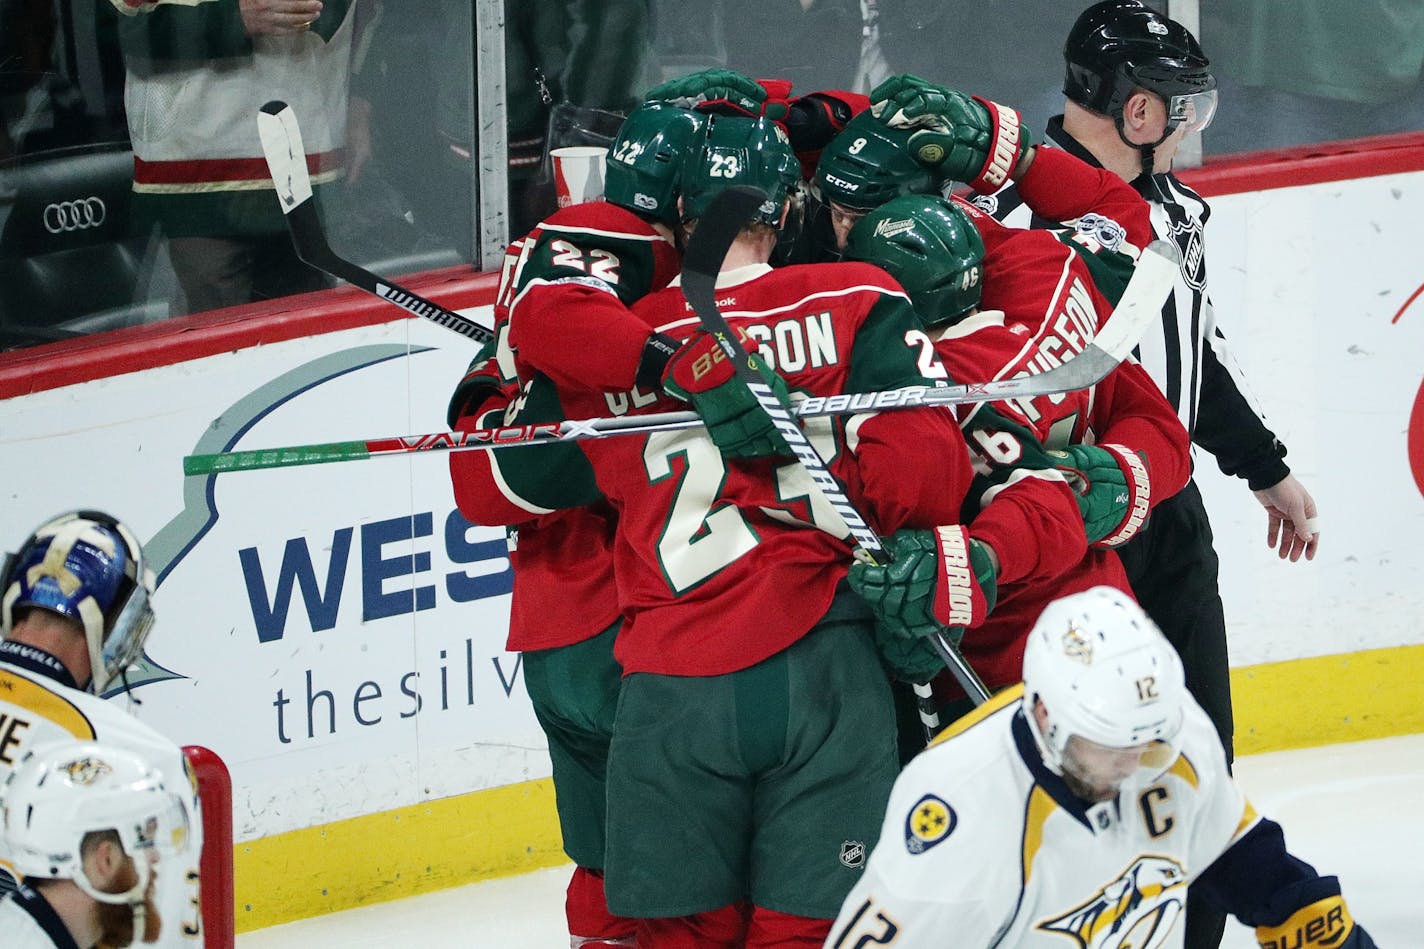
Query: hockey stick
716	231
1100	357
1139	305
286	160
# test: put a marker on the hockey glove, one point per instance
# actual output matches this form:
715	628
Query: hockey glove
725	92
939	579
818	117
700	373
1323	923
1113	489
965	139
482	380
910	660
907	101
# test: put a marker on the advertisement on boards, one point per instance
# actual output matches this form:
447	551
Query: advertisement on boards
335	632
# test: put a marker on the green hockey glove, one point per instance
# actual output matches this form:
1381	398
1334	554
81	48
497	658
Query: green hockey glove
965	138
905	101
726	92
1113	488
939	579
482	380
911	660
700	373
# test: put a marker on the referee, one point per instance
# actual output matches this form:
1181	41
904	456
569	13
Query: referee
1137	83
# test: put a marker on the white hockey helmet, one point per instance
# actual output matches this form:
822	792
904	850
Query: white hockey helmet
63	791
1104	672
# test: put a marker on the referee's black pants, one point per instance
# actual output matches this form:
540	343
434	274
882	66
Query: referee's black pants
1172	568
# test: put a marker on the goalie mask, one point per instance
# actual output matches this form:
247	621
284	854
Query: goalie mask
741	151
931	246
62	792
1119	46
646	158
1105	673
868	163
89	567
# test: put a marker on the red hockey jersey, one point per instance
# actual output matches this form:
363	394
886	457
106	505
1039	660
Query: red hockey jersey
576	271
1050	308
720	565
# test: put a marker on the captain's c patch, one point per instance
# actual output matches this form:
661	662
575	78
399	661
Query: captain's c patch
929	821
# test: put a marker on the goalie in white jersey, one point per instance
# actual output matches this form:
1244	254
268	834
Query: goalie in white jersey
1074	810
74	615
93	828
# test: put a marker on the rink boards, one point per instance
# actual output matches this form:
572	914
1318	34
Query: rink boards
335	632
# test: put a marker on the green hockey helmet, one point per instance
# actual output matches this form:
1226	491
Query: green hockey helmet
740	151
646	158
932	247
868	163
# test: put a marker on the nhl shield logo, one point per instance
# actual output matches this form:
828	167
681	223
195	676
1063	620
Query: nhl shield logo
853	853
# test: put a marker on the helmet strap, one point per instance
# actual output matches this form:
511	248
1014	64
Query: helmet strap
128	688
1148	151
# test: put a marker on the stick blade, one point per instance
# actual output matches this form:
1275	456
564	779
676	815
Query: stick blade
281	138
1141	303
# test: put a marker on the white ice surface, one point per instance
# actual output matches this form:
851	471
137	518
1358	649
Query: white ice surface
1352	810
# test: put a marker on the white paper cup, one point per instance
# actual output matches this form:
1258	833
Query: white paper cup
578	174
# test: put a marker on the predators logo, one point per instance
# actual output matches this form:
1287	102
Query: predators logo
85	771
1077	646
1135	911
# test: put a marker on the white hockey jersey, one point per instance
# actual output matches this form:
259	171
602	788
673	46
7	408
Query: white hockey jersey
983	846
35	709
28	922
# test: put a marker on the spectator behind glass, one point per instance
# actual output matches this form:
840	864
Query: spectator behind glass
197	72
556	52
1349	70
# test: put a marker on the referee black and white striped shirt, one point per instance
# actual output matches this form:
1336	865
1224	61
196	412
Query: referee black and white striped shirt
1186	354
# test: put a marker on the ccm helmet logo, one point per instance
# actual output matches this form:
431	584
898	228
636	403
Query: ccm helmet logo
80	215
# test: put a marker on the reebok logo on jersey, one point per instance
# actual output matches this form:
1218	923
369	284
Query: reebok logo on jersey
929	821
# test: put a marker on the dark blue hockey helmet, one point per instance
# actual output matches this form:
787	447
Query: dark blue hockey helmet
89	567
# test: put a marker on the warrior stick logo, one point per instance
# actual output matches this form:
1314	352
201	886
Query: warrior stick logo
1135	911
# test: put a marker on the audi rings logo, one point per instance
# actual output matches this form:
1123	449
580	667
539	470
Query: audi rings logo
80	215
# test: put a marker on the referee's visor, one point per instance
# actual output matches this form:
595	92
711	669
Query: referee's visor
1194	112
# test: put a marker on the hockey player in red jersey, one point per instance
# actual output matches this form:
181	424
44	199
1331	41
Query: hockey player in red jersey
594	258
754	737
1031	301
582	267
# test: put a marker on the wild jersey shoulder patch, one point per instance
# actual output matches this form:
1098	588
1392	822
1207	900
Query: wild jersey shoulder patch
930	821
